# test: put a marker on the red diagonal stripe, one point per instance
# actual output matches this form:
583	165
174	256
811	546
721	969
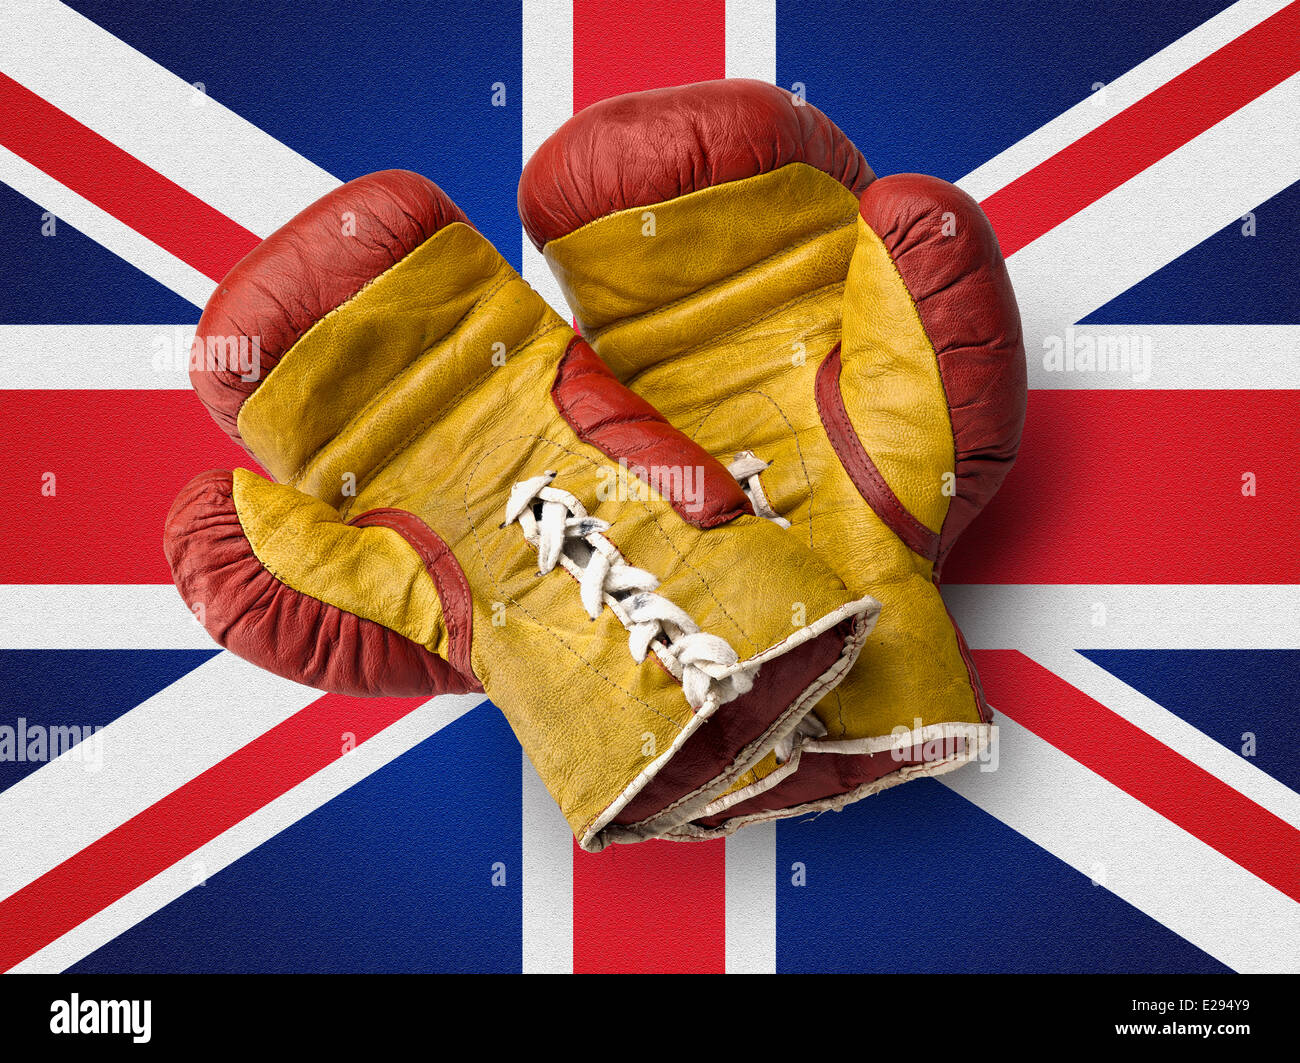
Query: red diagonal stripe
1167	783
1147	131
188	818
120	184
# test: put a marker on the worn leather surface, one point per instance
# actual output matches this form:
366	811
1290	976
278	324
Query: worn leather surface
650	147
314	632
324	255
944	250
624	426
428	392
723	319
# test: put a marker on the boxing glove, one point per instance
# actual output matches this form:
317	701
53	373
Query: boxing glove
457	505
850	346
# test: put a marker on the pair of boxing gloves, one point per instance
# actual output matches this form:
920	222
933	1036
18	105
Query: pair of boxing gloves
693	555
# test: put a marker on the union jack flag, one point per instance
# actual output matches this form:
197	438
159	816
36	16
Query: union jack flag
1131	594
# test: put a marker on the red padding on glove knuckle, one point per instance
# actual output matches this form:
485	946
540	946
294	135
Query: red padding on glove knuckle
621	424
948	256
302	271
649	147
250	612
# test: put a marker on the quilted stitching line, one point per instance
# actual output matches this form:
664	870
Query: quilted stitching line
383	393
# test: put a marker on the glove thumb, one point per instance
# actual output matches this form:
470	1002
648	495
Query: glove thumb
377	606
931	370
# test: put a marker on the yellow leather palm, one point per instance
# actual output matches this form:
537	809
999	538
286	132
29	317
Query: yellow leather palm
429	393
723	319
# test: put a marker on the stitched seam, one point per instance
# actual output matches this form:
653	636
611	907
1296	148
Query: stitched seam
811	695
330	605
496	585
420	429
743	327
859	466
947	404
448	579
299	333
392	381
588	436
699	426
730	278
682	559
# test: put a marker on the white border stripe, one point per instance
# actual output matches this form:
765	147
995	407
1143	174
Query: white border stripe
268	821
547	104
1171	730
1175	356
1180	356
547	880
751	39
751	899
57	357
160	745
152	114
547	840
1127	616
1165	210
125	616
1124	91
1160	869
103	228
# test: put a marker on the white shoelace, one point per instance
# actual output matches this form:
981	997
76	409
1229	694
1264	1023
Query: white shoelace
558	525
746	469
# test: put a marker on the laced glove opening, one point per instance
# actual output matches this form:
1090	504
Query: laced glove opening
558	525
746	469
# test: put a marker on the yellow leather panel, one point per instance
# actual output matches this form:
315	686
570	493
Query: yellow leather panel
891	385
723	324
372	572
433	395
711	252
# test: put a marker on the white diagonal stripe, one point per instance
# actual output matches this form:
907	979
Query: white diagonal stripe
103	228
1136	853
152	114
1171	730
1124	91
328	783
1168	208
160	745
